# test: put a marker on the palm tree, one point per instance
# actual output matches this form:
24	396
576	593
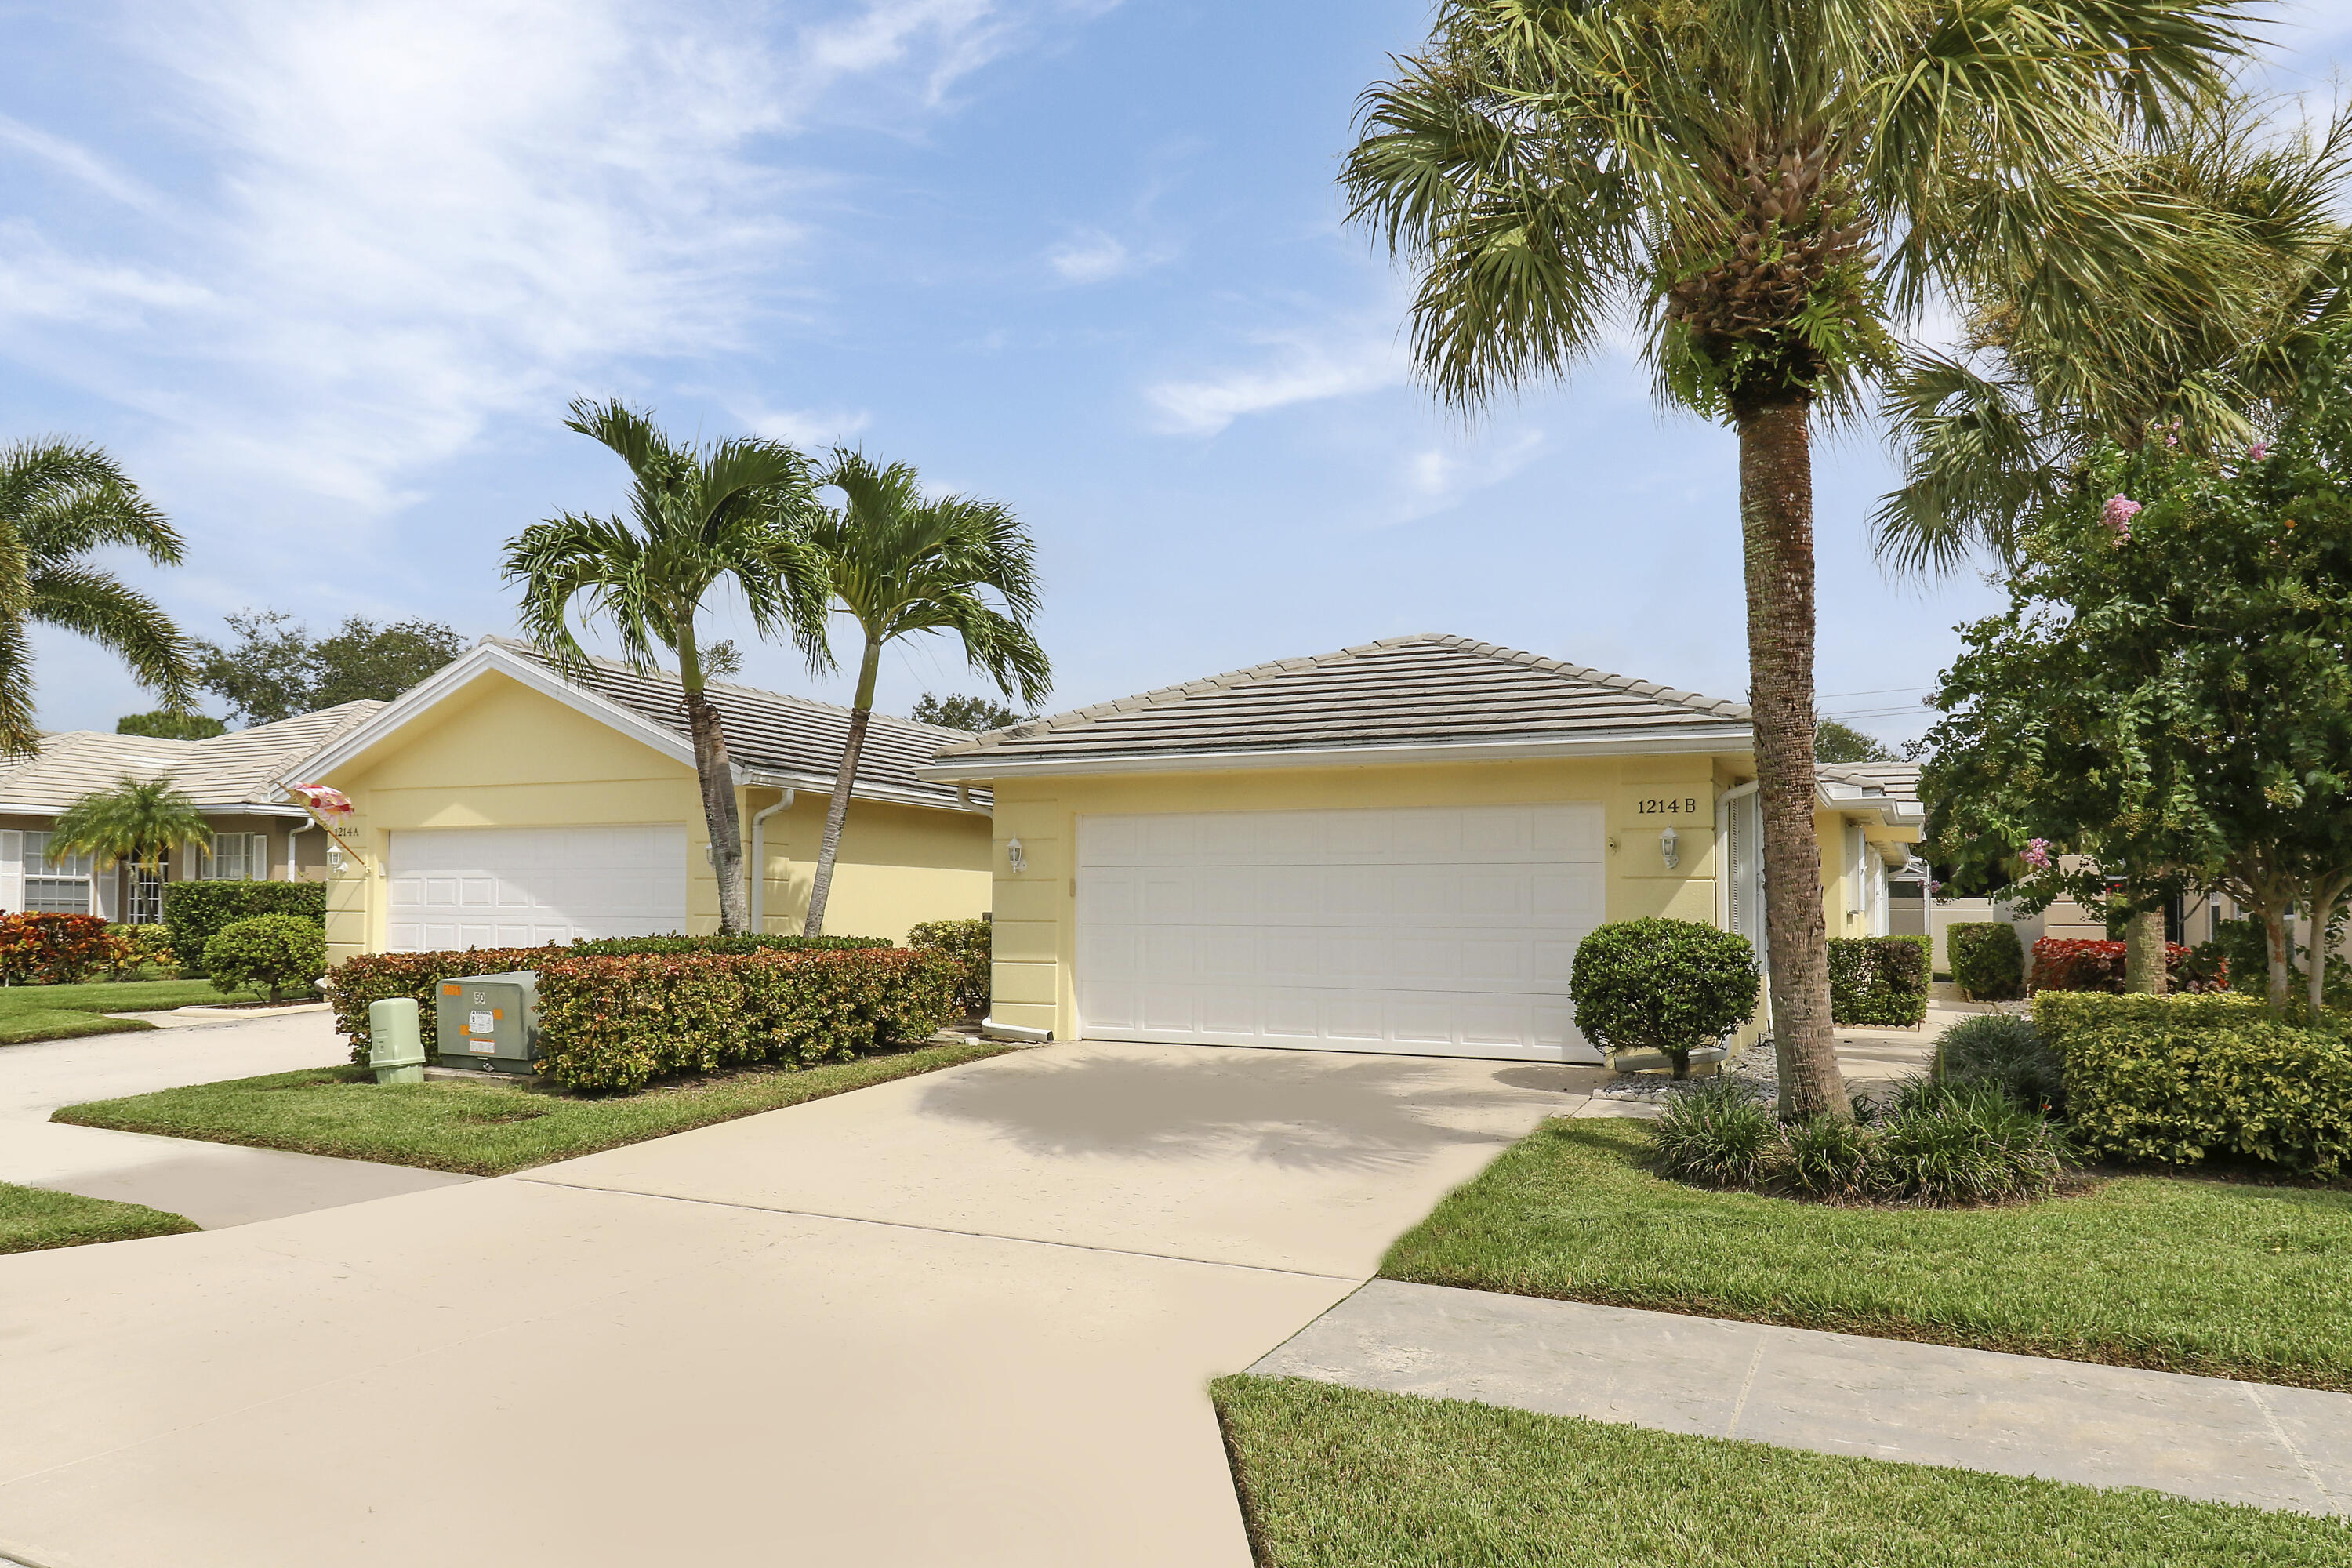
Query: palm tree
134	821
1992	434
1763	189
736	511
900	564
59	500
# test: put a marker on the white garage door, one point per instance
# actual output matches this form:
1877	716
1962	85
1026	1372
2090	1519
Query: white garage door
519	887
1432	932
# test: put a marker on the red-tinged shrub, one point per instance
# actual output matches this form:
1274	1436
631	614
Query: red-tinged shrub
2072	963
56	950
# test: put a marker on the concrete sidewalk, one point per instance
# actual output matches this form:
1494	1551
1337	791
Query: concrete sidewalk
1838	1394
214	1184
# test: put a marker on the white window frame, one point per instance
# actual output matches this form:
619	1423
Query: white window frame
251	859
56	882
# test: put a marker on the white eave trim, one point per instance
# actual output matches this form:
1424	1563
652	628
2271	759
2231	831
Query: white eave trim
208	808
490	658
1723	740
888	794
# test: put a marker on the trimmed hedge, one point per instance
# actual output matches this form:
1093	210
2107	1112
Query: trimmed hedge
971	944
2081	963
741	942
617	1021
1657	985
1880	980
195	913
2173	1079
620	1023
1987	960
274	950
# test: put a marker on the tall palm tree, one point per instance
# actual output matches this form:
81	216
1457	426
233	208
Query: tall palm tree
59	500
733	511
1994	434
140	822
900	565
1764	189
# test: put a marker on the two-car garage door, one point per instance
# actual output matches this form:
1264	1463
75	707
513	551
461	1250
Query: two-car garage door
521	886
1436	931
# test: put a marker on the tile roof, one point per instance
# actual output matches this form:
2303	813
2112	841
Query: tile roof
794	739
223	773
1406	691
1896	785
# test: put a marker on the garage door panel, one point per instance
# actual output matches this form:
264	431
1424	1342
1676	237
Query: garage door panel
1443	930
457	887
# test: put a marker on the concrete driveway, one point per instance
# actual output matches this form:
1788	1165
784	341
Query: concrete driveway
212	1184
963	1319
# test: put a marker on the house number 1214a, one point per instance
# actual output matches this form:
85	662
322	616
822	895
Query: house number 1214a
1669	807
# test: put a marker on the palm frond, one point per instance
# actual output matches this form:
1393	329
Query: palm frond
122	620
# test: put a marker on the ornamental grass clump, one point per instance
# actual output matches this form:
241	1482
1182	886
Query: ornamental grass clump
1717	1134
1942	1146
1828	1157
2006	1052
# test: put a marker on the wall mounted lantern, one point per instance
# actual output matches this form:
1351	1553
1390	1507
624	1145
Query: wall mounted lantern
1015	854
1669	847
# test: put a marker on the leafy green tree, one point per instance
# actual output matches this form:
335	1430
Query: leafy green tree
737	512
1760	191
2170	693
276	669
970	715
1839	742
165	725
139	821
1993	437
59	501
902	566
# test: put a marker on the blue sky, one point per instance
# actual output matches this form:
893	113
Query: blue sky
324	274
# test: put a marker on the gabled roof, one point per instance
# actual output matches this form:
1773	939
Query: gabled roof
235	772
1405	698
774	739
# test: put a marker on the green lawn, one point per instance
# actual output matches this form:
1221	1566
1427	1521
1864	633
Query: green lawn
481	1128
33	1218
2198	1276
61	1011
1338	1477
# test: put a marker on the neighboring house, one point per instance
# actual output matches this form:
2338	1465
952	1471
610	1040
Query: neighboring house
500	802
257	835
1394	847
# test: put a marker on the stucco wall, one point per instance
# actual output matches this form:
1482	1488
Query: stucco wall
499	755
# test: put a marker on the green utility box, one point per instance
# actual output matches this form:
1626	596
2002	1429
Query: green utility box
490	1021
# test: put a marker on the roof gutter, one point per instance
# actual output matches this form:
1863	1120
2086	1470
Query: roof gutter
1726	740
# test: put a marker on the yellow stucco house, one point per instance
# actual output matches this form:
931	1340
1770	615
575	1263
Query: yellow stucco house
1395	848
503	803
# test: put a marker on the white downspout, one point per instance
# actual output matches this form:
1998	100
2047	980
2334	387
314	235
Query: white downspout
293	860
758	870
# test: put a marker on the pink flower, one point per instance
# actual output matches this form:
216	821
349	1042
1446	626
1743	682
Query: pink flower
2258	451
2037	850
2117	515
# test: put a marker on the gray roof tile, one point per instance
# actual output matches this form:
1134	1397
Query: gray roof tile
1430	689
222	773
774	732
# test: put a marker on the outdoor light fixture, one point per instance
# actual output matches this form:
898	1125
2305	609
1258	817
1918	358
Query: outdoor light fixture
1018	855
1669	847
335	858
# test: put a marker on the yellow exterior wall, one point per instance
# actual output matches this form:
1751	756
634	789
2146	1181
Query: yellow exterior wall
1037	908
501	754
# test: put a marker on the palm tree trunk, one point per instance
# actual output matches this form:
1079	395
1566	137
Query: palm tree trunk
717	771
2145	971
1775	512
836	813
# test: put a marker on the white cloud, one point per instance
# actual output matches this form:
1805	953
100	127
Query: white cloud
1295	367
812	430
1090	256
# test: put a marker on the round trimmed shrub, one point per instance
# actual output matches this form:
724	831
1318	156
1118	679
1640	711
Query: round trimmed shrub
2003	1051
274	950
1662	985
1717	1134
1987	959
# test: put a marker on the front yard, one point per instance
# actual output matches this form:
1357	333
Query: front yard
1339	1478
2179	1274
34	1219
29	1013
478	1128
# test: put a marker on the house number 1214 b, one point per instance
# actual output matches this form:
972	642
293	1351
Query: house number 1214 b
1686	805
